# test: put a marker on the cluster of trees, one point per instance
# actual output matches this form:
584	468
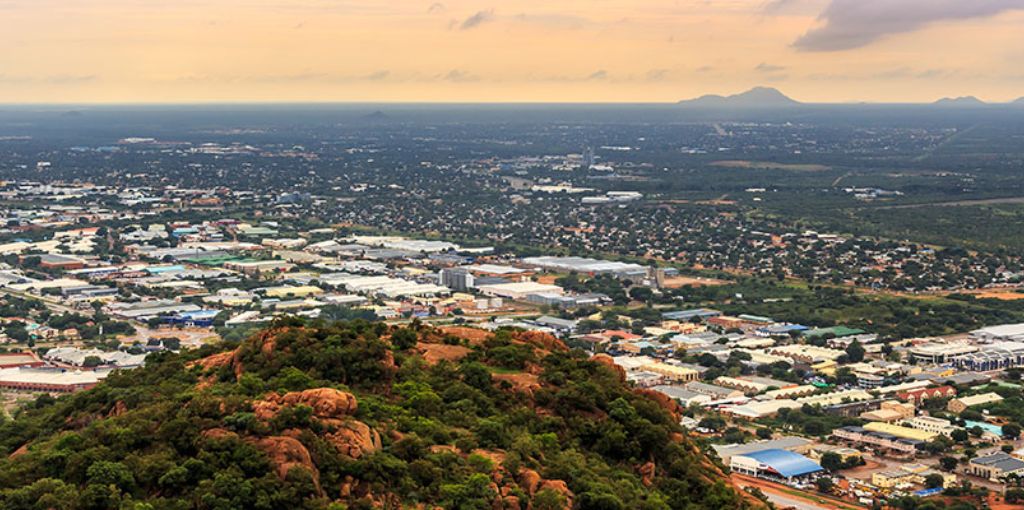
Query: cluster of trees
434	419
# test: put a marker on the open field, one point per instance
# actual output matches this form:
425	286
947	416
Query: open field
694	281
769	165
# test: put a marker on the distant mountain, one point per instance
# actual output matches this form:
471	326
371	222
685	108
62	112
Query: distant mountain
1019	101
960	101
757	97
377	116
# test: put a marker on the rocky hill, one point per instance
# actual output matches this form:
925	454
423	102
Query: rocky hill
361	415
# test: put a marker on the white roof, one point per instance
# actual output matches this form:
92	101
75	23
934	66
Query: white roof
49	376
493	269
1005	330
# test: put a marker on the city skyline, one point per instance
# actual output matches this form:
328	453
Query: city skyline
128	51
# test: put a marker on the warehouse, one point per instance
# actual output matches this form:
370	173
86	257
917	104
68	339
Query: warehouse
586	265
790	443
775	464
49	380
1013	332
519	290
861	435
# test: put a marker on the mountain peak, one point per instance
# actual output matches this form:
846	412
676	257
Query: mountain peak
757	97
960	101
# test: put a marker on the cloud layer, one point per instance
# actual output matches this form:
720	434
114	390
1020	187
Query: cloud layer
849	24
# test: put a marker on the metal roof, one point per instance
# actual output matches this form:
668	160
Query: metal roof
1001	461
784	462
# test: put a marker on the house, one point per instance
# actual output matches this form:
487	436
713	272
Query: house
959	405
920	395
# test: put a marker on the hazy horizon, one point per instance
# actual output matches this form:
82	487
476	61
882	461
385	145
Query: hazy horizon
575	51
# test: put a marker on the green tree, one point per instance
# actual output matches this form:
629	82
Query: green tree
831	461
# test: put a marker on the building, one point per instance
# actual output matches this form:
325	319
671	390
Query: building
774	464
458	279
807	353
958	405
890	411
689	315
762	409
48	380
683	396
587	266
715	392
839	397
298	291
861	435
908	475
672	372
938	353
62	262
564	326
998	356
790	443
930	424
995	467
901	431
915	397
519	290
1012	332
20	359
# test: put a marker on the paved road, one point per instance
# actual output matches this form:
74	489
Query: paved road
784	500
50	303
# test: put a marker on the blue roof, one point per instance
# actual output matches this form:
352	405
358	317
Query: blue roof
785	462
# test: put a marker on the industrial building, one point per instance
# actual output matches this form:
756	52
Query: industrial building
774	464
861	435
996	467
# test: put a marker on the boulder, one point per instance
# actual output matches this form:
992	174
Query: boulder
560	487
354	439
286	453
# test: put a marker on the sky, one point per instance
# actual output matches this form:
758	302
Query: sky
130	51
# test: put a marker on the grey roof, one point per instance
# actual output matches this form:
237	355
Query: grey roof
677	392
556	322
1000	461
783	443
710	389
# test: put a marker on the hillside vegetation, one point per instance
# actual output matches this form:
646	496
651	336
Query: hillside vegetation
360	415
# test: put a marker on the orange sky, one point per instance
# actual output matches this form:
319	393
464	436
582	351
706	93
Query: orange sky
508	50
